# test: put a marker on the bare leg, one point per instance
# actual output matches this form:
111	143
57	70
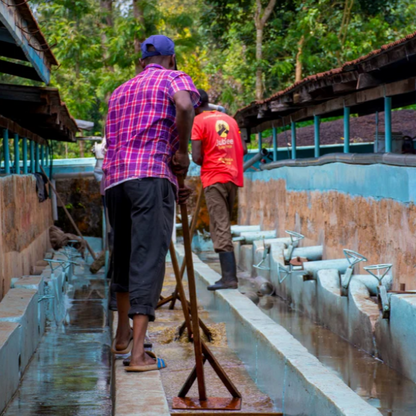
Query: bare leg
138	356
123	328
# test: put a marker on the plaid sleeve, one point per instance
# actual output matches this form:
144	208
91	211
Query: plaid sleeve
183	82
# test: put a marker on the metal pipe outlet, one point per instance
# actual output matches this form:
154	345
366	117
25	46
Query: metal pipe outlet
262	153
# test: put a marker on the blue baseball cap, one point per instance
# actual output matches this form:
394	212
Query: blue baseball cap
164	46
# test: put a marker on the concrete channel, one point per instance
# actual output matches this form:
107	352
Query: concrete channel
62	368
380	386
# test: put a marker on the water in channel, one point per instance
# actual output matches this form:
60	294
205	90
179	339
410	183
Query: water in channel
378	384
70	373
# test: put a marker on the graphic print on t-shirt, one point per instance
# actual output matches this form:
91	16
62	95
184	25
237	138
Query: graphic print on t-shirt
222	128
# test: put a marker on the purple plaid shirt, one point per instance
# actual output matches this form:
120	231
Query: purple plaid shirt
141	131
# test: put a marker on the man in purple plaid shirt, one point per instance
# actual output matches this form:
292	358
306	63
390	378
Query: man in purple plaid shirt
148	129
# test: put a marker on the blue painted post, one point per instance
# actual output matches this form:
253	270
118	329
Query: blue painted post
47	156
347	113
16	154
260	140
37	169
293	128
317	121
6	151
42	154
24	151
32	157
387	112
274	144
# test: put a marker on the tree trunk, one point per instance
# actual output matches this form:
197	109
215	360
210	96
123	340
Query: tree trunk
259	70
138	16
298	75
260	19
81	148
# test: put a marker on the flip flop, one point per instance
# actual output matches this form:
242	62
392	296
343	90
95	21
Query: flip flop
158	365
126	350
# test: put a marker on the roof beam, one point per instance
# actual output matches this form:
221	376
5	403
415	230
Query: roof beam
11	18
19	70
356	99
10	125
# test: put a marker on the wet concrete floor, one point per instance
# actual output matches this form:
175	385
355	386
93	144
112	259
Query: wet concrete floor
70	372
179	356
378	384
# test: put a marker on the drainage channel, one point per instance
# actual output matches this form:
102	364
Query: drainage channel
70	373
381	386
179	355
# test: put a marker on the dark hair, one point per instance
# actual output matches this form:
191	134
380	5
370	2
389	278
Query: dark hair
204	97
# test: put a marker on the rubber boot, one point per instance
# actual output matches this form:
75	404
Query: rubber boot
228	272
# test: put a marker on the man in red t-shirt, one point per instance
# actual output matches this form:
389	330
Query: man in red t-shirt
217	147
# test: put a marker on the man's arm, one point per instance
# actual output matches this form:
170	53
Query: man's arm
197	152
184	119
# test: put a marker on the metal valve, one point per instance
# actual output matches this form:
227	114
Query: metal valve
295	238
382	296
266	251
353	258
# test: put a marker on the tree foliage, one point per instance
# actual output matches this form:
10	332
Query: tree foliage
216	42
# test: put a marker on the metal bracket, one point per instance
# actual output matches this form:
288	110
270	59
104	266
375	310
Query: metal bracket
283	272
64	264
353	258
45	297
295	238
266	251
382	295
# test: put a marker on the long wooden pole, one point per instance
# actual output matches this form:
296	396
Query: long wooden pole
193	228
93	255
199	359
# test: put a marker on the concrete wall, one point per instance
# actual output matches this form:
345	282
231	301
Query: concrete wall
24	224
369	209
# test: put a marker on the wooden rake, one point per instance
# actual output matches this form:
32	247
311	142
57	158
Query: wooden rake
202	352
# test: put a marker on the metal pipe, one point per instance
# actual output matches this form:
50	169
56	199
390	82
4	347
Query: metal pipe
293	129
255	159
313	253
238	229
6	151
392	159
274	131
16	154
372	283
32	157
387	115
317	121
24	151
347	113
250	237
313	267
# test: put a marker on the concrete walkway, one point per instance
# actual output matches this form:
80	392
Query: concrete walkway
70	373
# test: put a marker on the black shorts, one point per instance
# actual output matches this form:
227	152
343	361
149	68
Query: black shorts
141	215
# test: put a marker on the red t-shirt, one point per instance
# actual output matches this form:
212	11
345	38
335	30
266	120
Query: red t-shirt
222	148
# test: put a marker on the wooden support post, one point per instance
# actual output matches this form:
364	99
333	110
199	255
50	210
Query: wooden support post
16	155
6	151
32	157
347	129
37	163
317	121
293	129
24	151
387	116
275	144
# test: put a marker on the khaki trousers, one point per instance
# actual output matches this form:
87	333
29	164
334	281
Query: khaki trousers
220	199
